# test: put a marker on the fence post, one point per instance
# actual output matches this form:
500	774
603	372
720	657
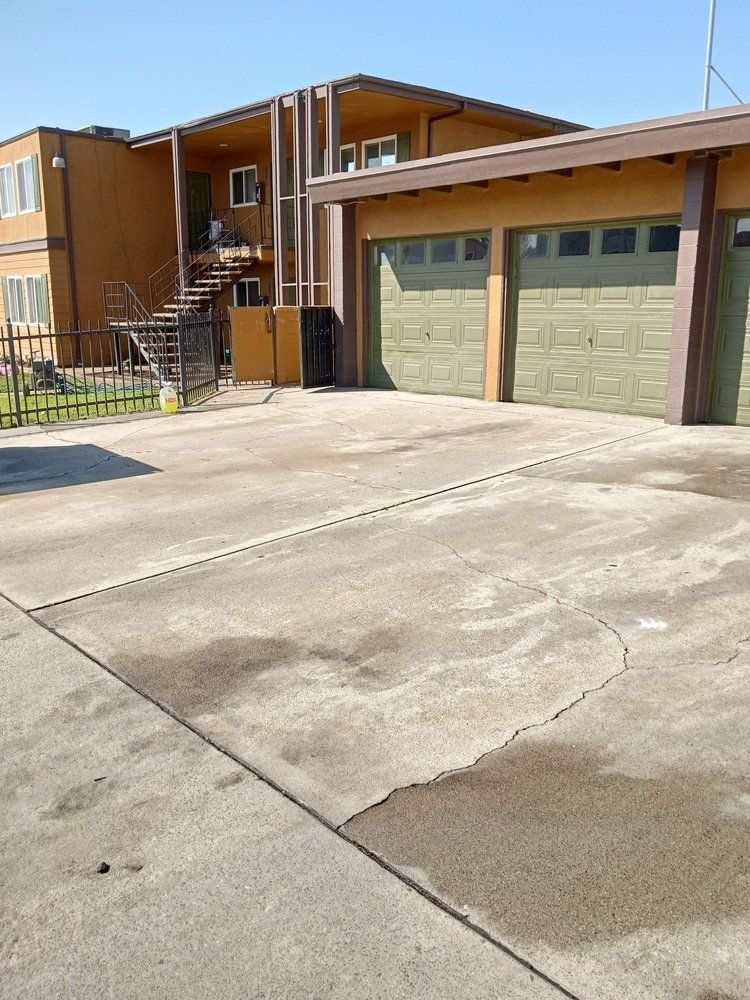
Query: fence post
183	388
14	373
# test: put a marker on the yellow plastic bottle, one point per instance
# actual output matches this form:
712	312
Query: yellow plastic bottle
168	398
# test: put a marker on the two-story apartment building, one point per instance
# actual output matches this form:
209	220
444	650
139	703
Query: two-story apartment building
465	247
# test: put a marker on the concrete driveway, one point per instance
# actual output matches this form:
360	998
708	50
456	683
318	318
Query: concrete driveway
423	698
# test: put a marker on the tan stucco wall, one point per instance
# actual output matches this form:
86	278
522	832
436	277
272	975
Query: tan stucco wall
642	188
32	225
449	135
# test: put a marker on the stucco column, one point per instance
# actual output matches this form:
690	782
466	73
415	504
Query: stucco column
299	160
343	284
180	190
332	166
691	322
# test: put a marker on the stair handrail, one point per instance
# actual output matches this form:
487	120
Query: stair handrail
167	283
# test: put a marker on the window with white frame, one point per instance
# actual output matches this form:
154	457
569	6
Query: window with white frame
247	292
379	152
27	182
7	191
37	299
242	186
348	161
14	299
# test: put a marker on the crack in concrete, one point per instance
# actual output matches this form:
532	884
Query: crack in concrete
625	666
320	472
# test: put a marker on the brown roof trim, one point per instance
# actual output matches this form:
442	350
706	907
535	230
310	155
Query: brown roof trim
60	131
359	81
33	246
681	133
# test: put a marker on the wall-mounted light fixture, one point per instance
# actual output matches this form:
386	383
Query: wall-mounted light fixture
58	161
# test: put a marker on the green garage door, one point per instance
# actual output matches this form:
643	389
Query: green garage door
593	316
428	314
730	382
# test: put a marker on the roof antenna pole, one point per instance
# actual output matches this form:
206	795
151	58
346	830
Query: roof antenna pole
709	55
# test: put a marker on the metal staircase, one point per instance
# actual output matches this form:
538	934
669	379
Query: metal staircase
188	283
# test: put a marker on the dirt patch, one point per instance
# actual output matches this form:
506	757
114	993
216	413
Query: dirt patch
541	842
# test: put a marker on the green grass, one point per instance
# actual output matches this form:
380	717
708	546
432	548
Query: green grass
41	408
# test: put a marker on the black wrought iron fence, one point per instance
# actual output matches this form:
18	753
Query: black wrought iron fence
49	374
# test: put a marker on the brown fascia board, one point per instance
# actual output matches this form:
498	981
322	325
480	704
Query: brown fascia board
360	82
702	130
60	131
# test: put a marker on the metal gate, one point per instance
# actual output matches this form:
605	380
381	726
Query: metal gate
316	347
198	371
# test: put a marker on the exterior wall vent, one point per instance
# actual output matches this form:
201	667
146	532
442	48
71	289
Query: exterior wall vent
107	133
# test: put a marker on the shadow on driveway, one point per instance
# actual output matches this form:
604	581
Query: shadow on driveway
30	469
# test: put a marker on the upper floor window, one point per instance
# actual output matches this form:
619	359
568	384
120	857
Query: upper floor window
348	158
242	186
379	152
7	191
27	180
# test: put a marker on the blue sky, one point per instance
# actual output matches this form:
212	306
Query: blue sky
145	65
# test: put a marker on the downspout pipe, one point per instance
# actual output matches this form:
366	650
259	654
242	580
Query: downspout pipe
69	235
437	118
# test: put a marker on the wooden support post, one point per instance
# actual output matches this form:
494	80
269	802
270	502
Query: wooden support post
279	213
343	283
180	191
299	161
312	169
692	321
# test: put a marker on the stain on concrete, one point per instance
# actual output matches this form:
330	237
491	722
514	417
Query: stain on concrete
717	995
229	780
543	842
75	800
207	676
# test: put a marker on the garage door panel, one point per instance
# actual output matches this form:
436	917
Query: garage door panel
594	333
568	339
609	340
431	327
730	378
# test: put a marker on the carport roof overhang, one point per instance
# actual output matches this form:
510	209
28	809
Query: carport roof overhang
659	138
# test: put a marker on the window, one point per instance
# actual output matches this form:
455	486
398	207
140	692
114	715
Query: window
534	245
14	300
247	292
385	255
27	180
620	240
7	191
412	253
37	299
348	158
443	251
379	152
476	247
741	236
576	243
663	239
242	186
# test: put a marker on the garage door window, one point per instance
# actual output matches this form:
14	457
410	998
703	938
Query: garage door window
476	248
385	255
741	233
621	240
663	239
576	243
443	251
534	245
412	253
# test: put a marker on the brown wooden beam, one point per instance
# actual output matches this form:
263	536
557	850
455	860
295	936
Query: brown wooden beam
562	172
445	188
667	158
409	194
379	197
279	206
521	178
615	165
478	184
